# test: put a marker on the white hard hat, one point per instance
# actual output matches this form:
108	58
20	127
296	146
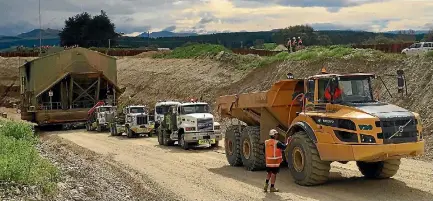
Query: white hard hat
272	132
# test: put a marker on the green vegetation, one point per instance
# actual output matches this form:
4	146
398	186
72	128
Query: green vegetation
314	53
20	161
270	46
189	51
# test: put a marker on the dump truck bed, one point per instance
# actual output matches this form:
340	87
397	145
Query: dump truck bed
260	107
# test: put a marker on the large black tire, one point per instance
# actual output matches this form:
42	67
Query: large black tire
182	142
166	139
160	140
217	144
379	170
129	133
304	161
98	128
252	150
233	146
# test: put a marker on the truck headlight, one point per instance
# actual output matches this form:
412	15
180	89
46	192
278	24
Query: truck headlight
367	139
216	127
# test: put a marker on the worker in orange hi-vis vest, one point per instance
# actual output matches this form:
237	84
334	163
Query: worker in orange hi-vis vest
274	157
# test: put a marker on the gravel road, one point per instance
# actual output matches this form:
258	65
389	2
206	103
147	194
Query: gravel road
204	174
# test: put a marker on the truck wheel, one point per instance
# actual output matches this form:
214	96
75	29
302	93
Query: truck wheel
232	145
182	142
252	150
129	133
216	144
166	140
160	141
379	170
304	161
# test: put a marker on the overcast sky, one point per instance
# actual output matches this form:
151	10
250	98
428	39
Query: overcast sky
202	16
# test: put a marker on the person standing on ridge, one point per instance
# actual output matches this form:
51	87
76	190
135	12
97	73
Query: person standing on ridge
274	157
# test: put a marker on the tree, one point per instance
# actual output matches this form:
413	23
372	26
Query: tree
87	31
307	34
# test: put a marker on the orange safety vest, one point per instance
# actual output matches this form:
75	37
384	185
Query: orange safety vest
274	156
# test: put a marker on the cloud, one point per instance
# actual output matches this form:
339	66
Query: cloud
170	28
218	15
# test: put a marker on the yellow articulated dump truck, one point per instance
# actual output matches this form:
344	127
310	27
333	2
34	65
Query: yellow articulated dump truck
325	118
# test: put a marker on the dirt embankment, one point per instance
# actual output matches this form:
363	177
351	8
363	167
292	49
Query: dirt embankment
9	79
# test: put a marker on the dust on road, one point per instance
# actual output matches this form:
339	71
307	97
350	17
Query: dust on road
204	174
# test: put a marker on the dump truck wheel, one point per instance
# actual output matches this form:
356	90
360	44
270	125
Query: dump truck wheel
379	170
252	150
233	146
304	161
182	142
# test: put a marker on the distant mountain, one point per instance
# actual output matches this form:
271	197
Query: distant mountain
408	31
164	34
46	33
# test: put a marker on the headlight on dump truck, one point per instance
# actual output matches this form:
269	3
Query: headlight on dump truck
217	127
367	139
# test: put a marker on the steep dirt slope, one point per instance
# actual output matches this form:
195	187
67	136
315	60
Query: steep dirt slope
9	76
149	80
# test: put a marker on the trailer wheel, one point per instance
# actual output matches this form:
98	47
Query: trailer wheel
305	164
232	145
252	150
379	170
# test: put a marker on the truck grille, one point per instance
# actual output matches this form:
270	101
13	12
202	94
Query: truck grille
141	120
391	126
205	124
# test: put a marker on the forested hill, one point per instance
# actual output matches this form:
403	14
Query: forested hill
247	39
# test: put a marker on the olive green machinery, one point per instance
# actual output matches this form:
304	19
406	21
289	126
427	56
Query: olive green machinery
60	88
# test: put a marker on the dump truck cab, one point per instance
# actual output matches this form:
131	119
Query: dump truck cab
191	124
325	118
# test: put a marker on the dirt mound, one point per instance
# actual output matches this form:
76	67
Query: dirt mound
149	80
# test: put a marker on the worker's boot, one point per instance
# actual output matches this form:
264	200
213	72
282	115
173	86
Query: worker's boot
273	189
266	187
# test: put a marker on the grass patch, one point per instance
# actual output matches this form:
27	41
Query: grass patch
20	161
314	53
270	46
193	50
